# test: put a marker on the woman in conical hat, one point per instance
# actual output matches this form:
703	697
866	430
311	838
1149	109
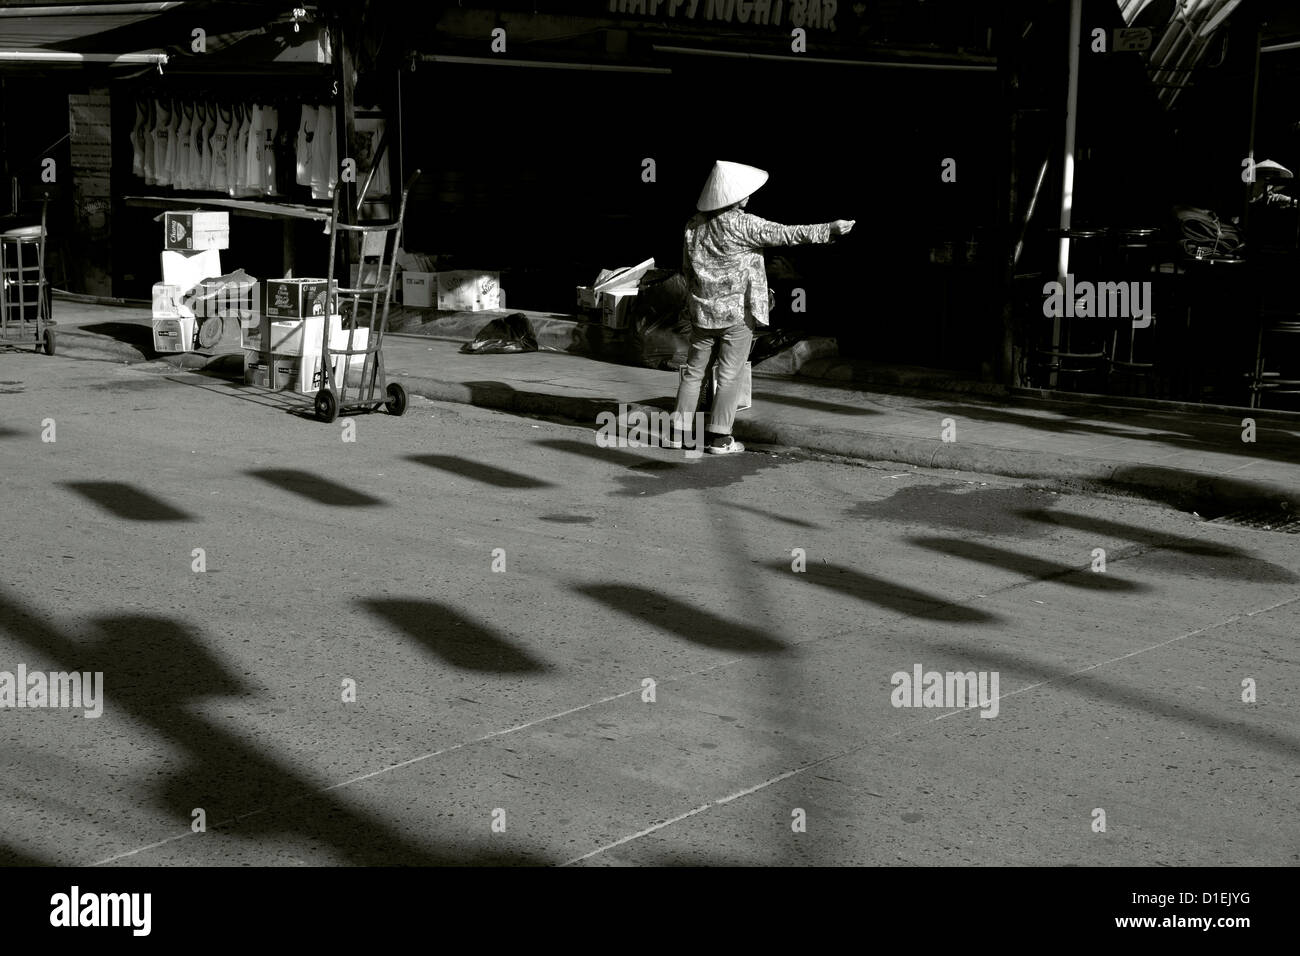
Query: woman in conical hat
722	262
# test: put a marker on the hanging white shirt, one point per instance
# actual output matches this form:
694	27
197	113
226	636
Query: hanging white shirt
323	165
221	150
271	125
306	133
162	123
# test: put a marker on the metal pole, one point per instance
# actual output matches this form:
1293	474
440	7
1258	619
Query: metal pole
41	56
1067	164
1250	149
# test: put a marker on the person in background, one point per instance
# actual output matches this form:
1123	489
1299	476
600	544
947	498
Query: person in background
723	265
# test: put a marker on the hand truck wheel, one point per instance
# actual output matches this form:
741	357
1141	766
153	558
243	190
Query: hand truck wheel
327	406
396	403
48	344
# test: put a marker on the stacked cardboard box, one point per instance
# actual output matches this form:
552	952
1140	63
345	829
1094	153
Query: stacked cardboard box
197	230
611	299
457	291
192	242
173	323
286	354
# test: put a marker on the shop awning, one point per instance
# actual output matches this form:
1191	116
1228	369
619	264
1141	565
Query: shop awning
39	35
1181	41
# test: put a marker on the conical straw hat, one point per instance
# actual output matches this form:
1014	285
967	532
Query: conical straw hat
1269	169
729	183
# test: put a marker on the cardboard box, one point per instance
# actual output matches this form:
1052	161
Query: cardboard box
173	323
295	298
197	229
616	308
293	373
188	269
173	334
588	298
465	291
281	373
291	336
417	289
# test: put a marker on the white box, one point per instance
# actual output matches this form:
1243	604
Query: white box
309	380
188	269
616	308
294	373
417	289
197	229
290	336
468	291
360	339
173	334
173	322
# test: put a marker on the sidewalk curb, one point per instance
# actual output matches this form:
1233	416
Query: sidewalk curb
1191	490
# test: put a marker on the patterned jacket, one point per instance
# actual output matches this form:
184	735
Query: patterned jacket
723	264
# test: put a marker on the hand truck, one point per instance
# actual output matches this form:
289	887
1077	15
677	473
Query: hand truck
377	263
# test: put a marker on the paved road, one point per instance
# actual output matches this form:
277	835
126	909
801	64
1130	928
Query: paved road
520	696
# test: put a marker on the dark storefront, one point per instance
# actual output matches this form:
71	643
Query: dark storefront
555	142
539	171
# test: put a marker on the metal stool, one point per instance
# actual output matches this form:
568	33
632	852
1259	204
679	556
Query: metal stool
23	288
1135	257
1075	347
1280	330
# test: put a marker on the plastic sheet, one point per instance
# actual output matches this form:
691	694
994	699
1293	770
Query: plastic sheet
513	333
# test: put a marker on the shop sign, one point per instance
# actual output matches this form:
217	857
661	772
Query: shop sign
1130	40
808	14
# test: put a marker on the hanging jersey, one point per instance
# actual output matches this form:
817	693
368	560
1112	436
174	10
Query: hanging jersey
162	120
146	141
137	140
271	129
195	173
256	151
306	133
169	158
209	127
233	167
323	151
181	164
221	150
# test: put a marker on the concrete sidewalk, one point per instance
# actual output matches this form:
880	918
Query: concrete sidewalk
1188	456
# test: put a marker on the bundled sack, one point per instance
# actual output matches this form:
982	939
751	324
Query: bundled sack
233	295
1203	233
514	333
660	326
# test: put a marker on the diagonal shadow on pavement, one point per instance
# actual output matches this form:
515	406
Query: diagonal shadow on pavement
477	471
316	488
686	621
1021	563
898	598
157	671
453	638
125	501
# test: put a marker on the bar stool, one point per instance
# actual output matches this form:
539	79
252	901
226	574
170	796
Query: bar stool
1077	346
1215	298
23	288
1277	343
1136	253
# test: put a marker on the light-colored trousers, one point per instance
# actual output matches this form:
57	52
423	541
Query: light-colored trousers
732	345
